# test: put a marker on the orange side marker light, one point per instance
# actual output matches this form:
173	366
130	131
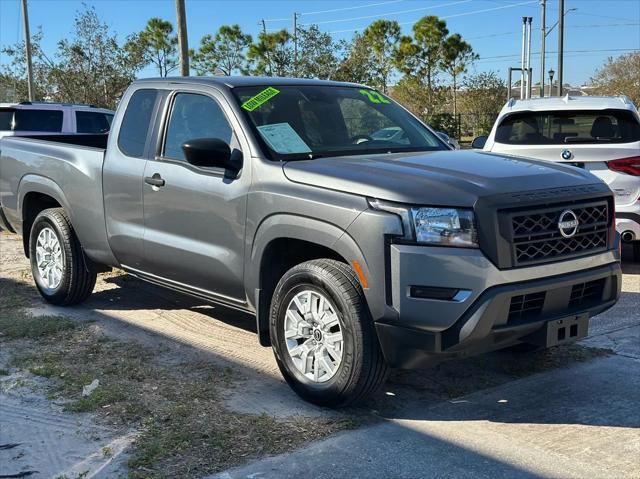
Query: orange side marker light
360	273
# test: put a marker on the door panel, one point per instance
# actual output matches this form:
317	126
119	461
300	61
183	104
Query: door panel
195	222
122	177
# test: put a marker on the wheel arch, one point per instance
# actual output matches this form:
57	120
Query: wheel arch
281	242
37	193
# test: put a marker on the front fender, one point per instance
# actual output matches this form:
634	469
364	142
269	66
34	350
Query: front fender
301	228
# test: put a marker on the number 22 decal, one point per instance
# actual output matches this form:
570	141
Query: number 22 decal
374	96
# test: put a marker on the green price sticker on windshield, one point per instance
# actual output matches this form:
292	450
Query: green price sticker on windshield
374	96
261	98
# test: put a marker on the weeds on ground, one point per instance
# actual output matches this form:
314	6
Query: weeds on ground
185	429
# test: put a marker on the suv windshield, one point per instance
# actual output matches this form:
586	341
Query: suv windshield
303	122
564	127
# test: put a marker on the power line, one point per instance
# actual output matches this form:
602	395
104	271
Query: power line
599	16
596	25
473	12
610	50
336	10
398	12
351	8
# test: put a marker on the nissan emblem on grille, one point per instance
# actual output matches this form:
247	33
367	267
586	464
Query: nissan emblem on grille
568	223
566	154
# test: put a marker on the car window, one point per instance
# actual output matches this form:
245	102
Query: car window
135	123
6	119
93	122
568	127
194	116
49	121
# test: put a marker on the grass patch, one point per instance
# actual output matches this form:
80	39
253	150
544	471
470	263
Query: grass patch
19	325
185	429
4	372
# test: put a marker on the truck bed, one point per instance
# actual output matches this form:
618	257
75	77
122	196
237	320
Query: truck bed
65	167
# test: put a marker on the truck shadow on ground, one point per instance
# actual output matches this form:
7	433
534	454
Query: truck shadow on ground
406	395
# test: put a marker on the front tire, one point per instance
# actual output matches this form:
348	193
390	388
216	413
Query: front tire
323	336
63	275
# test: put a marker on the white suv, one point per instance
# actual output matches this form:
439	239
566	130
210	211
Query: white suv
29	118
599	134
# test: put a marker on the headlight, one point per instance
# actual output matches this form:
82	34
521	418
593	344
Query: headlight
445	226
434	226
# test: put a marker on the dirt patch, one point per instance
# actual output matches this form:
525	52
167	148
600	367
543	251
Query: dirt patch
185	430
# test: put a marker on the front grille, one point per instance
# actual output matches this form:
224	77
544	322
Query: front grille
526	306
536	236
585	293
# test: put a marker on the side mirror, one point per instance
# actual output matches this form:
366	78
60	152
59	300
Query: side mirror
479	142
210	153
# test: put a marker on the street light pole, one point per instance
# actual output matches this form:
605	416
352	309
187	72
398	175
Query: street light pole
560	44
543	34
27	48
183	44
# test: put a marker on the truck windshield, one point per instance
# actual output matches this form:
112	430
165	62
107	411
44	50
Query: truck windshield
568	127
306	122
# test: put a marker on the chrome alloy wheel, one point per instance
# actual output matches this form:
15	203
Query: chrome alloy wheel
313	334
49	258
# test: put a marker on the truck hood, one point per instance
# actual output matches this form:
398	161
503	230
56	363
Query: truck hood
447	178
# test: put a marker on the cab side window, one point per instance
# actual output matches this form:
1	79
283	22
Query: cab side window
194	116
135	123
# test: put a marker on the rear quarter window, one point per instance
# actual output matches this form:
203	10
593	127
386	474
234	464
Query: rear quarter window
135	123
93	122
568	127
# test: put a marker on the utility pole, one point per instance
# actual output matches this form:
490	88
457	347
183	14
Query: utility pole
524	43
27	47
560	45
543	35
528	68
183	44
295	44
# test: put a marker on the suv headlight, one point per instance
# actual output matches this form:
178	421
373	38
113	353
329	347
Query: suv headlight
433	225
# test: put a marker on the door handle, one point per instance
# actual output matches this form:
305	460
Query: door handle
155	180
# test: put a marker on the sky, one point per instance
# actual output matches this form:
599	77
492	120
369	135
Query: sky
595	30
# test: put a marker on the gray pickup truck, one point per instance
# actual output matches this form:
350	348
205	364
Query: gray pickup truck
357	250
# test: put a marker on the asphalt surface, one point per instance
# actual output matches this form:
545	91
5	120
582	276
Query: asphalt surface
575	422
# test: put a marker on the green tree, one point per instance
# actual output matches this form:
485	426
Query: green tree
383	38
456	57
92	67
421	55
318	54
272	54
619	76
13	74
158	45
482	98
357	64
224	53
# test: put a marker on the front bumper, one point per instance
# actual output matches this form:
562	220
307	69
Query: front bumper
499	307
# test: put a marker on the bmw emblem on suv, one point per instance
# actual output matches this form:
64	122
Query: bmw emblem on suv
566	154
568	223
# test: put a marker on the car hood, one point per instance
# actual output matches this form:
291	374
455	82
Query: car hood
447	178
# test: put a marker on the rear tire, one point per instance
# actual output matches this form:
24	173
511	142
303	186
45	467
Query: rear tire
323	336
62	273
